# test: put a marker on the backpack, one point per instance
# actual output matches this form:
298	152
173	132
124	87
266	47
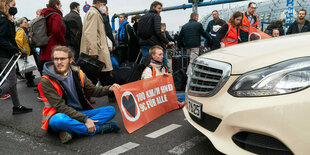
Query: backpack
145	26
38	31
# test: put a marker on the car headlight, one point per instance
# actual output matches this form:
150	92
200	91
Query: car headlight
282	78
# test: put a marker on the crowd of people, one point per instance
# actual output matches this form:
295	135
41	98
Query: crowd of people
66	90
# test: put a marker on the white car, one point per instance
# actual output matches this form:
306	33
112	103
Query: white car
253	97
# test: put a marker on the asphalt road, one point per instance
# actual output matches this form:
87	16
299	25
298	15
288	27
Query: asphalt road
21	134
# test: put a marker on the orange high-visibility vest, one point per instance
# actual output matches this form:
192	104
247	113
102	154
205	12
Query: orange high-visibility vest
48	110
246	22
232	36
154	70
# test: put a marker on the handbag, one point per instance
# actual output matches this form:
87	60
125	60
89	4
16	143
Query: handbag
90	64
27	64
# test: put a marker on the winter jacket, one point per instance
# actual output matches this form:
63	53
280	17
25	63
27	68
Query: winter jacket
271	27
60	102
294	28
74	26
56	29
190	35
157	38
94	38
22	40
8	46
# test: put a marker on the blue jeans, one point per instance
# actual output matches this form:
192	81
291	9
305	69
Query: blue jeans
62	122
145	50
165	61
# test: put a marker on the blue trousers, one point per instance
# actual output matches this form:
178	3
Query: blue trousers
145	50
62	122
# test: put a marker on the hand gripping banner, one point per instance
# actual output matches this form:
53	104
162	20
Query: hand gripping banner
145	100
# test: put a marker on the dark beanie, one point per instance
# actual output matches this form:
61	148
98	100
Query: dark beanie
102	1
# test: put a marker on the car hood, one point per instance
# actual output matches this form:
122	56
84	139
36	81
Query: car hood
253	55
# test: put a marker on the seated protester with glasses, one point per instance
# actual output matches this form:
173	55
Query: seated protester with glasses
64	89
157	67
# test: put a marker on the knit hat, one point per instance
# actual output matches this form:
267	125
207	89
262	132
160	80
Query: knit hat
102	1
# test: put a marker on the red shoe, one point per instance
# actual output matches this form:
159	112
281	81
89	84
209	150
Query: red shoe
5	96
181	104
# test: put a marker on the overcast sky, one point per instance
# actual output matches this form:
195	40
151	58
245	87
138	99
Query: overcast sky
173	19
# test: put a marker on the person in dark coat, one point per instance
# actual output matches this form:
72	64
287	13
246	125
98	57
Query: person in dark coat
135	20
157	37
190	37
55	28
107	26
8	49
275	25
300	25
74	26
213	26
127	40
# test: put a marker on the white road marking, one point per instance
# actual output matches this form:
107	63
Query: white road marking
121	149
163	131
180	149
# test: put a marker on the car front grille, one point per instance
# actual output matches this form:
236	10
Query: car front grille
207	77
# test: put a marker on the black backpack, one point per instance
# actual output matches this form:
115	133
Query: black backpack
145	29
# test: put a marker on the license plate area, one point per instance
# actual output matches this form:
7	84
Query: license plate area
194	109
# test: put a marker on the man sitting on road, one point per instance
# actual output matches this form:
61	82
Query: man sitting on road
64	88
157	67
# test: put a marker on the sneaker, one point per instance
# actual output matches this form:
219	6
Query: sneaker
181	104
108	127
21	109
5	96
64	137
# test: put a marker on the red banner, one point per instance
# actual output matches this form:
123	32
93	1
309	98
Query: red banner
257	34
143	101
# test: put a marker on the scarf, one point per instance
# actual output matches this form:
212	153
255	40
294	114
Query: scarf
158	63
121	30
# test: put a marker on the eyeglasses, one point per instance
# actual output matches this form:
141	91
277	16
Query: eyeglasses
60	59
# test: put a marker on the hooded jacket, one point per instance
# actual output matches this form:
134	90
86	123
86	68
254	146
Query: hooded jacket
73	100
56	29
8	46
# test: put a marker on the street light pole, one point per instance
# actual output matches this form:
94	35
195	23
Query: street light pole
195	6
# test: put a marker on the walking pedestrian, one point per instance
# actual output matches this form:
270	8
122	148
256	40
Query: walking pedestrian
190	38
74	26
8	49
155	35
94	42
55	29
